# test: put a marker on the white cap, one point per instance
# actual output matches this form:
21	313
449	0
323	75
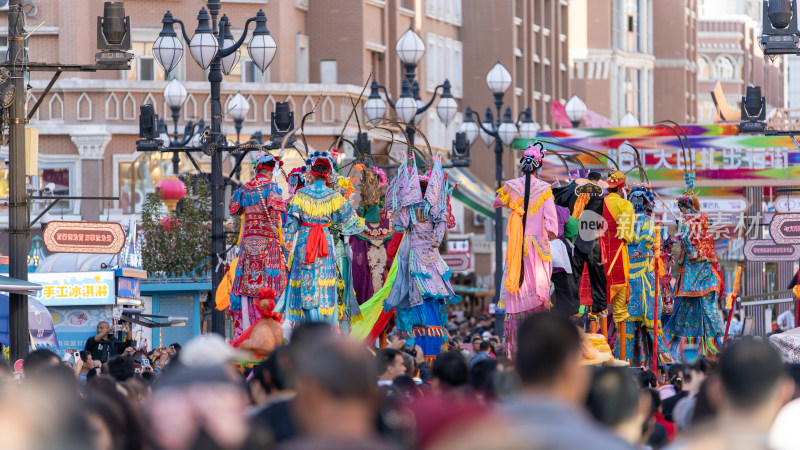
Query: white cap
209	350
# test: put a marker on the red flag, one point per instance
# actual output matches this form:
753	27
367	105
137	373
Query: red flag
559	114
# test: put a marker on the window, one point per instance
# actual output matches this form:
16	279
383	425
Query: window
246	71
726	70
705	68
61	178
443	59
633	79
328	72
144	66
136	179
4	49
445	10
631	20
302	59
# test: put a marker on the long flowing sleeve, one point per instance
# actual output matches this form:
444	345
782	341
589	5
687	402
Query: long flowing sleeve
350	222
235	206
292	222
645	233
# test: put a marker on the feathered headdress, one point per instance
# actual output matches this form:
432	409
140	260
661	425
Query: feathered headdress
616	179
689	198
532	159
296	177
642	198
324	159
266	161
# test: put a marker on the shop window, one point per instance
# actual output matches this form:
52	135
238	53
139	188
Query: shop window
144	66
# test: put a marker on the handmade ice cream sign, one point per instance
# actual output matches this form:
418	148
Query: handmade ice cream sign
764	250
785	228
84	237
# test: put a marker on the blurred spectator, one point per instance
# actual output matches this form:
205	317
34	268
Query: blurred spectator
481	378
684	408
450	372
647	379
548	410
275	415
105	344
37	361
754	387
707	402
121	368
786	320
87	364
656	440
114	423
389	364
336	397
483	353
680	378
614	400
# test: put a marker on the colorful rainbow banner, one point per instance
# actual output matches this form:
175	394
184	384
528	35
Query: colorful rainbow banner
719	156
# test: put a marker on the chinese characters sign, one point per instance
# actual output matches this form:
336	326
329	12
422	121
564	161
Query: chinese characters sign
75	288
84	237
764	250
785	228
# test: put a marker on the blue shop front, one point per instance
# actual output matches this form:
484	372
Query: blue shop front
176	298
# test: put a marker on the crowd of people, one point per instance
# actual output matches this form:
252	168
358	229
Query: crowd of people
323	390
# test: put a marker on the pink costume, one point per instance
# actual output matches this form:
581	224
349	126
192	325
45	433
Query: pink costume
528	291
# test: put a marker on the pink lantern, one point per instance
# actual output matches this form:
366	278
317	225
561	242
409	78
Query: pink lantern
171	190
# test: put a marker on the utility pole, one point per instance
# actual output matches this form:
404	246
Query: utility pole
19	336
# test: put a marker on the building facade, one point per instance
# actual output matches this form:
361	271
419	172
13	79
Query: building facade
729	52
635	56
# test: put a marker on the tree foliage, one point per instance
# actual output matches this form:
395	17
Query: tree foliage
179	242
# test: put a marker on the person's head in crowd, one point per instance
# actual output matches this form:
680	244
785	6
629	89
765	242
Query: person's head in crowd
450	371
548	358
38	360
138	389
754	382
647	379
88	362
258	386
482	376
614	400
273	376
476	342
410	364
306	335
113	421
103	329
389	364
707	401
121	368
336	390
675	376
210	350
656	436
405	388
484	347
793	370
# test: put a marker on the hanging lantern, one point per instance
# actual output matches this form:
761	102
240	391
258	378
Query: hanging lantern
171	190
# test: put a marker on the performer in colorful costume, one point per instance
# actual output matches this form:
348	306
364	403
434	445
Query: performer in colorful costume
311	295
261	260
533	223
638	327
421	290
618	214
565	298
699	284
374	249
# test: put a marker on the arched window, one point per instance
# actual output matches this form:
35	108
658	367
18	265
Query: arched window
726	70
705	68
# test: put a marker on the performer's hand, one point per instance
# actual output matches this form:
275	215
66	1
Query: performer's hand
420	355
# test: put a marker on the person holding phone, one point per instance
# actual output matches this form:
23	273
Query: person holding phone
104	344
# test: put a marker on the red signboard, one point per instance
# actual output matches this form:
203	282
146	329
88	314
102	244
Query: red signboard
83	237
764	250
458	262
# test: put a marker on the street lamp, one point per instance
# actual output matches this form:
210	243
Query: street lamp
175	95
502	131
575	109
629	120
409	107
528	129
238	109
209	48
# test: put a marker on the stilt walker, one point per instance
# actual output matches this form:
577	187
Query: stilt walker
420	289
261	260
643	308
311	294
618	214
699	283
531	227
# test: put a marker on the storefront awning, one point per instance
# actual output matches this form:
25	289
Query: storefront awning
473	192
15	286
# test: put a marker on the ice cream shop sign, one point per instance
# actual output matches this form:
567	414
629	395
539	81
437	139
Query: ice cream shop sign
84	237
